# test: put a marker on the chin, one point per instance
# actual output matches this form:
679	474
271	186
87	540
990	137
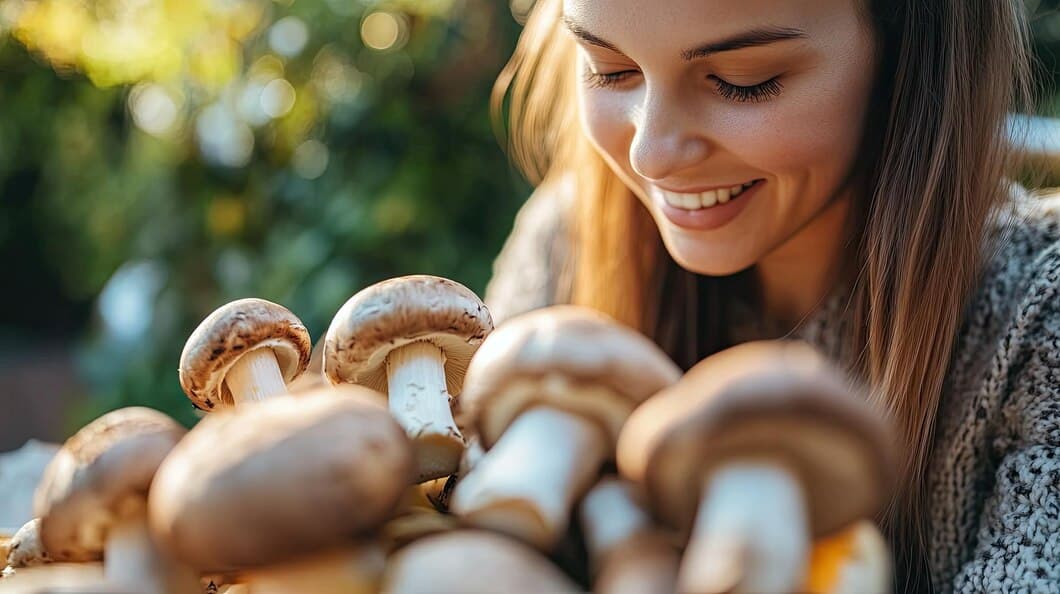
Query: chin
705	258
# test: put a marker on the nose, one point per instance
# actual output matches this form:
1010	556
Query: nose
667	139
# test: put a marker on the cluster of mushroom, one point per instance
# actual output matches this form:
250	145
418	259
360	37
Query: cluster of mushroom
427	452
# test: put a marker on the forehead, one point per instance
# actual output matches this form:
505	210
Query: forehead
682	21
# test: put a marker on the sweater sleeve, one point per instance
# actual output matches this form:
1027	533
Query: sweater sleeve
528	273
1018	542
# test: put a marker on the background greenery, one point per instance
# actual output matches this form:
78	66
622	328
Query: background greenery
161	157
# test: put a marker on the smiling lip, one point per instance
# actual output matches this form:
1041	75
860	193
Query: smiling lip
702	189
706	219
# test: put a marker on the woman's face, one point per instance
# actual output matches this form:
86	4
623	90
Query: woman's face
736	122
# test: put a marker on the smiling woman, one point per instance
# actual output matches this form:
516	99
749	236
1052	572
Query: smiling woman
831	170
687	123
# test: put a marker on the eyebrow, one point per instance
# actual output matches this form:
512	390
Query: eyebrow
752	38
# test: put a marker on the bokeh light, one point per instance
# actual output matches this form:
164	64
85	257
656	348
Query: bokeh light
288	36
154	109
384	31
310	159
223	138
277	98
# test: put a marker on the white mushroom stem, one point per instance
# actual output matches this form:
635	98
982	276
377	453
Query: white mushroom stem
132	559
527	483
419	400
751	532
629	555
610	517
255	377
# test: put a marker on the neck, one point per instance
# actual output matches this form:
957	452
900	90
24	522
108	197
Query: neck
796	277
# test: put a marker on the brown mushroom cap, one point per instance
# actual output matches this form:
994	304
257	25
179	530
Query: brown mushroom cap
570	357
761	399
231	331
98	478
470	562
281	478
400	311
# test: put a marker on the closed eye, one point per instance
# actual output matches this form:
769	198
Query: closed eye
750	94
758	93
607	79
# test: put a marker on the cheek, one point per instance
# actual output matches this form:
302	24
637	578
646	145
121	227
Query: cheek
605	120
814	131
797	137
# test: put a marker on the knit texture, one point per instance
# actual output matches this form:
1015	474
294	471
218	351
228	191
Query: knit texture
994	474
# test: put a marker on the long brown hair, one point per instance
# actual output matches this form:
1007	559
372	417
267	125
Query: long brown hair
934	157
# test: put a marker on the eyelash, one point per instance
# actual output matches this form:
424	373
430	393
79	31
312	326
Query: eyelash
752	94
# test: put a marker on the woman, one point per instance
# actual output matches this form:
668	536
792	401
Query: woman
832	170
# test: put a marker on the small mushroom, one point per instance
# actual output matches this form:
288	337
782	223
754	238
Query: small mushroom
629	554
757	450
548	393
472	562
245	351
280	480
25	548
92	500
411	338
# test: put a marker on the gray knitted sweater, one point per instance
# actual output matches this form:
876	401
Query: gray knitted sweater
994	482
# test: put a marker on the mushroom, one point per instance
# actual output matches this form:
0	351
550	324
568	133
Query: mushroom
472	562
25	548
286	478
629	554
757	450
93	496
548	393
411	338
245	351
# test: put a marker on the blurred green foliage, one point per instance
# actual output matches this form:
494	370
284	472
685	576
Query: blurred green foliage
257	149
159	158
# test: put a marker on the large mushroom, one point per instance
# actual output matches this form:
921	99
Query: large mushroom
548	393
472	562
245	351
411	338
92	500
756	451
629	553
283	482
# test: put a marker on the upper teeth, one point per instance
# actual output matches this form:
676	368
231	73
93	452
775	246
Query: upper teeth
703	199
